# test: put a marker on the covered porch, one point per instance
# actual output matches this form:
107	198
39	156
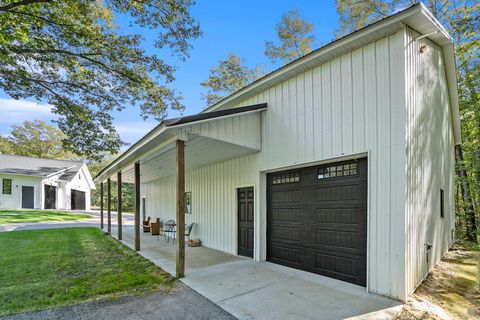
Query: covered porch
169	151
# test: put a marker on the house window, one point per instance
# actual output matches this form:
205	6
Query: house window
289	177
7	186
338	170
442	204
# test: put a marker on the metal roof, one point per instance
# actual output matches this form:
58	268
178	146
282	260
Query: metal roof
38	167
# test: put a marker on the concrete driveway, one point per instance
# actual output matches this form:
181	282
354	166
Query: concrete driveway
252	290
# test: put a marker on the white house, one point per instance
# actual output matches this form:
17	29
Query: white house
340	163
35	183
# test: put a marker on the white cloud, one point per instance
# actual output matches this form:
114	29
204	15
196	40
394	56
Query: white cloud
131	132
16	111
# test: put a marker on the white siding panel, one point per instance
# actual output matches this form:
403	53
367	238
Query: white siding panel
213	200
326	110
350	105
430	159
14	200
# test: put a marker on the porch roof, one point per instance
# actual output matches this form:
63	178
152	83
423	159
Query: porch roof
210	137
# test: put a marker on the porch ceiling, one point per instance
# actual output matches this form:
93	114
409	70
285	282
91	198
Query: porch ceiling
199	151
209	138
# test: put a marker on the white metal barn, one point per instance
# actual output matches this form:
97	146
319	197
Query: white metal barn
340	163
34	183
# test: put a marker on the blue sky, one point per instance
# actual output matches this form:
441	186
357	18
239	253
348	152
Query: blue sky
240	27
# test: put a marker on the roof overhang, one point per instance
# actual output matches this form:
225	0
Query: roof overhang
417	17
215	136
22	174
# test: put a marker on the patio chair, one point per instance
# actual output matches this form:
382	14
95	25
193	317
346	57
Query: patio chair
155	227
188	230
169	229
146	225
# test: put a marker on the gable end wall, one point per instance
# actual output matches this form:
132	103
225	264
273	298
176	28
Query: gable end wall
430	159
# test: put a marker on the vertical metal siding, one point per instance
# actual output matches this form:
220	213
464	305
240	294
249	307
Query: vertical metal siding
213	200
430	161
350	105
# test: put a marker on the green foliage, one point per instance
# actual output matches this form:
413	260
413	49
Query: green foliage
462	19
355	14
49	268
5	146
72	55
127	188
295	36
21	216
229	76
36	139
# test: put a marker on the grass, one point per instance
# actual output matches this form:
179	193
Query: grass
451	290
41	269
19	216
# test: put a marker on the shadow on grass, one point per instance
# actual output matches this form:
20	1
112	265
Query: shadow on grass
42	269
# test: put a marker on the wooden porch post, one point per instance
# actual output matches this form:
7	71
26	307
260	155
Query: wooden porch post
109	206
119	204
137	206
101	205
180	263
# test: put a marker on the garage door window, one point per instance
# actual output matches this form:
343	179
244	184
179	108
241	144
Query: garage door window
342	170
289	177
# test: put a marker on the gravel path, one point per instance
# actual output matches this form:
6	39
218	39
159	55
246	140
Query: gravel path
181	303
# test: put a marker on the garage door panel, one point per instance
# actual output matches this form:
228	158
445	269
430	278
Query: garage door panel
289	255
342	239
344	215
290	233
286	196
335	266
318	223
286	215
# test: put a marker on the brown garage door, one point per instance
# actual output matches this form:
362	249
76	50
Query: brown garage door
317	219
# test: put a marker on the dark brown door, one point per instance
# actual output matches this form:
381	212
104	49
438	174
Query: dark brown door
245	198
50	197
317	219
78	200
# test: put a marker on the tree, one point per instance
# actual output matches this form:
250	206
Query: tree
354	14
95	167
35	139
295	38
229	76
5	146
72	55
470	225
462	19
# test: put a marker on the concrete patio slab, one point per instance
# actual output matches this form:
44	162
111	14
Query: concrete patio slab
252	290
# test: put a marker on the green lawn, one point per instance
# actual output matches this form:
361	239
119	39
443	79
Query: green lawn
18	216
41	269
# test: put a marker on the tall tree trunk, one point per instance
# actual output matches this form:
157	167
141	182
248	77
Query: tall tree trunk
470	224
476	157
